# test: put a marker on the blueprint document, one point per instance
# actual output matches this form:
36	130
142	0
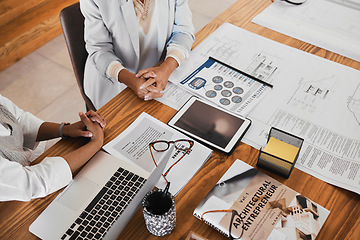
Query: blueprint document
313	98
329	24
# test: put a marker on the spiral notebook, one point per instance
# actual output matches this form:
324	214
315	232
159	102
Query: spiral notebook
248	204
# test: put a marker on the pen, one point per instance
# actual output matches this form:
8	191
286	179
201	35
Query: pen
248	75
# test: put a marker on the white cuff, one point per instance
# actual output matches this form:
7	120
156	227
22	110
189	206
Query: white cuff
176	53
113	70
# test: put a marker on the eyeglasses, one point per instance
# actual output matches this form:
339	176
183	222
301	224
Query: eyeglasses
294	2
234	217
183	145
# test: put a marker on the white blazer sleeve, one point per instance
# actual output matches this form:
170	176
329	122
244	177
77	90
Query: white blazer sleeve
25	183
30	124
183	32
98	39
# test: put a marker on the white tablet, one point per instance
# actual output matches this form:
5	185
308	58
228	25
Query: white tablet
210	124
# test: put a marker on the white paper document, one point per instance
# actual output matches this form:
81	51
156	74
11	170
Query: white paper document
313	98
226	86
329	24
174	96
133	145
223	85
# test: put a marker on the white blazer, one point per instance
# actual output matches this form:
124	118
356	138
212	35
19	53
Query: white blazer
111	34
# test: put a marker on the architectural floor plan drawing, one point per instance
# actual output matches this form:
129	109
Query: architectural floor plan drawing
311	94
354	104
262	67
221	84
313	98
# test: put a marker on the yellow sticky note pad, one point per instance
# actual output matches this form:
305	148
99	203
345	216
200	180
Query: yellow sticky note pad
281	149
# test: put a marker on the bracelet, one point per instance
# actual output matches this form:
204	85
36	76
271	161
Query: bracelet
61	130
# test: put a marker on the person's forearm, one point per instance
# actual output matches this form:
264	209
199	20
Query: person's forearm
169	65
48	131
126	77
77	158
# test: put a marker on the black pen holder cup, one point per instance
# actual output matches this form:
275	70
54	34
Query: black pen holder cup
159	212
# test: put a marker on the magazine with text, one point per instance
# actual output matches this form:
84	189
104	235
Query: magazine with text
248	204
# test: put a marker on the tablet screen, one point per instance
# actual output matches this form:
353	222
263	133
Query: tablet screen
210	123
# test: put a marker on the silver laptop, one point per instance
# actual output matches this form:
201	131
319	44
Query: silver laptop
100	201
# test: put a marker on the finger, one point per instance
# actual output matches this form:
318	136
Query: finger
149	74
103	121
97	118
141	93
152	95
90	113
142	72
154	89
147	83
86	134
84	119
88	123
100	115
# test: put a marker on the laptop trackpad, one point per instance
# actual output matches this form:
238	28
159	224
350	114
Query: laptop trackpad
77	193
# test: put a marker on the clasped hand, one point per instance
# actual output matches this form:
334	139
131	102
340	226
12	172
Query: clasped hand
153	83
156	79
92	125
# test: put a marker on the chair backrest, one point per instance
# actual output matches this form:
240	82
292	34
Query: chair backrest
72	23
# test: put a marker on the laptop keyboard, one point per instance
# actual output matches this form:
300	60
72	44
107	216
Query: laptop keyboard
106	207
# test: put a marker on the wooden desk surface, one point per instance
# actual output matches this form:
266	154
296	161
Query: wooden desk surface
342	223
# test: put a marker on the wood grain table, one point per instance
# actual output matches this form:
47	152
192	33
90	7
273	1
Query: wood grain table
120	112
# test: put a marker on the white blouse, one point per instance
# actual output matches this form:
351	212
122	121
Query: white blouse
24	183
147	14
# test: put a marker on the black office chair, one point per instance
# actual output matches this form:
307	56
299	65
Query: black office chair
72	23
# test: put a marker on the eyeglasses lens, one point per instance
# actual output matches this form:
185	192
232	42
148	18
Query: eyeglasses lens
161	146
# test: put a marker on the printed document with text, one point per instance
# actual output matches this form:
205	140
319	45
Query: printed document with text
133	146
